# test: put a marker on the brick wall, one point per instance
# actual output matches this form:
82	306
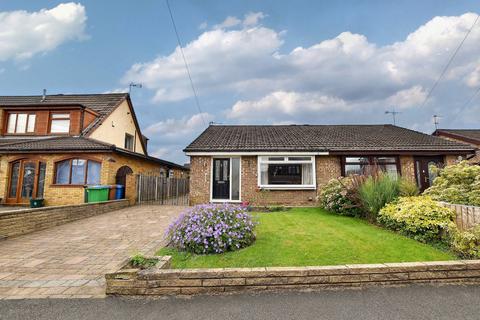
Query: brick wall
161	281
18	222
407	167
200	173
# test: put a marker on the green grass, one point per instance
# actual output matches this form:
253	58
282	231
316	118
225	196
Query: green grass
313	237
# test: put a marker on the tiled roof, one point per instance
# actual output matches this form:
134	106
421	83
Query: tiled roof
103	104
315	138
63	144
472	134
70	144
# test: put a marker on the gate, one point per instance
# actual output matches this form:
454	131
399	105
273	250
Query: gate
160	190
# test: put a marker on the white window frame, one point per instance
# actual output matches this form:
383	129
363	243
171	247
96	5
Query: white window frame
230	184
264	160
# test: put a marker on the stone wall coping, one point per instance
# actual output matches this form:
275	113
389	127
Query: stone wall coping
49	208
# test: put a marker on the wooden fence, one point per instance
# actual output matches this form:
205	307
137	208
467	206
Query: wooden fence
467	216
165	191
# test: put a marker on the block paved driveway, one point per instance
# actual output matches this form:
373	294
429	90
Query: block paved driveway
70	260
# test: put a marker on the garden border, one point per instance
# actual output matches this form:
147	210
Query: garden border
160	280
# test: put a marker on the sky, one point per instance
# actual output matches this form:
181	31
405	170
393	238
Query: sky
252	62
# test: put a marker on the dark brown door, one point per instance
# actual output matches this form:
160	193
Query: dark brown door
423	170
27	179
221	179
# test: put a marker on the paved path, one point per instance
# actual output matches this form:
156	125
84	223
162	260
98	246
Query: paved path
414	302
71	260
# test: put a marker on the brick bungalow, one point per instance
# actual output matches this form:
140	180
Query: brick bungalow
287	164
470	136
53	145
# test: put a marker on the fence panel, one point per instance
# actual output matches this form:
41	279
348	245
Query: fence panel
466	216
164	191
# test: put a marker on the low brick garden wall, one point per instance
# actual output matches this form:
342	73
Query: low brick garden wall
23	221
160	280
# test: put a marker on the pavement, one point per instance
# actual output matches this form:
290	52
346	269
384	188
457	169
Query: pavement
411	302
70	261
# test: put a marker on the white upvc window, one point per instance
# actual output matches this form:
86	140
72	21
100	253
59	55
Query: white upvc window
286	172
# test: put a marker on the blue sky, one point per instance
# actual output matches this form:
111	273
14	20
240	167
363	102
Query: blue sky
252	61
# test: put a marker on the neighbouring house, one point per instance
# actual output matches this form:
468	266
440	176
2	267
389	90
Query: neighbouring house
288	164
470	136
51	146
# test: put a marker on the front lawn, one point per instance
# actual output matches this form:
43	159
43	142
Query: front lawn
314	237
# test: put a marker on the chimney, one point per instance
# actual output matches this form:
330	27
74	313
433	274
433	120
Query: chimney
44	96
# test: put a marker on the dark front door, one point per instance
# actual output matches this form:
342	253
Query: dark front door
423	170
221	179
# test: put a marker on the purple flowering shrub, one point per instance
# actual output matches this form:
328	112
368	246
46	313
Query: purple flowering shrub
212	228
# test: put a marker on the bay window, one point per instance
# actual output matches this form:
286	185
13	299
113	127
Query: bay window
286	172
367	165
77	172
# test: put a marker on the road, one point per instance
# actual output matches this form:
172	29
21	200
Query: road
413	302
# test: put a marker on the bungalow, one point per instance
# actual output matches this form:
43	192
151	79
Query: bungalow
287	164
469	136
51	146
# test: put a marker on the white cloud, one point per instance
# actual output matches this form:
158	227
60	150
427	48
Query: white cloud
407	98
245	63
24	34
253	18
203	25
228	23
280	103
178	128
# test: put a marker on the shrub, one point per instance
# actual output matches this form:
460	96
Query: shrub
408	188
421	218
212	228
467	243
377	191
338	196
459	183
140	261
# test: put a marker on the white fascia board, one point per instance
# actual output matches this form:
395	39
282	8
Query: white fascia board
321	153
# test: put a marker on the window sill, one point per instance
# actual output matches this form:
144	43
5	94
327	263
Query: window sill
225	200
283	187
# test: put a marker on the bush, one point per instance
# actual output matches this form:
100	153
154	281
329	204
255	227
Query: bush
408	188
421	218
459	183
140	261
338	196
212	228
377	191
467	243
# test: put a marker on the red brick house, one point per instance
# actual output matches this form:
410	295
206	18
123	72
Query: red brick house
51	146
470	136
288	164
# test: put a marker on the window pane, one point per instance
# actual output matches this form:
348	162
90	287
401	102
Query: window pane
356	159
284	174
60	126
307	174
60	116
276	158
28	179
351	169
390	169
299	158
263	174
386	159
128	141
78	171
12	120
41	179
63	172
21	123
31	123
14	180
93	174
235	179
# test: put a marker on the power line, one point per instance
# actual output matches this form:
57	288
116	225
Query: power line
186	64
466	104
449	62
